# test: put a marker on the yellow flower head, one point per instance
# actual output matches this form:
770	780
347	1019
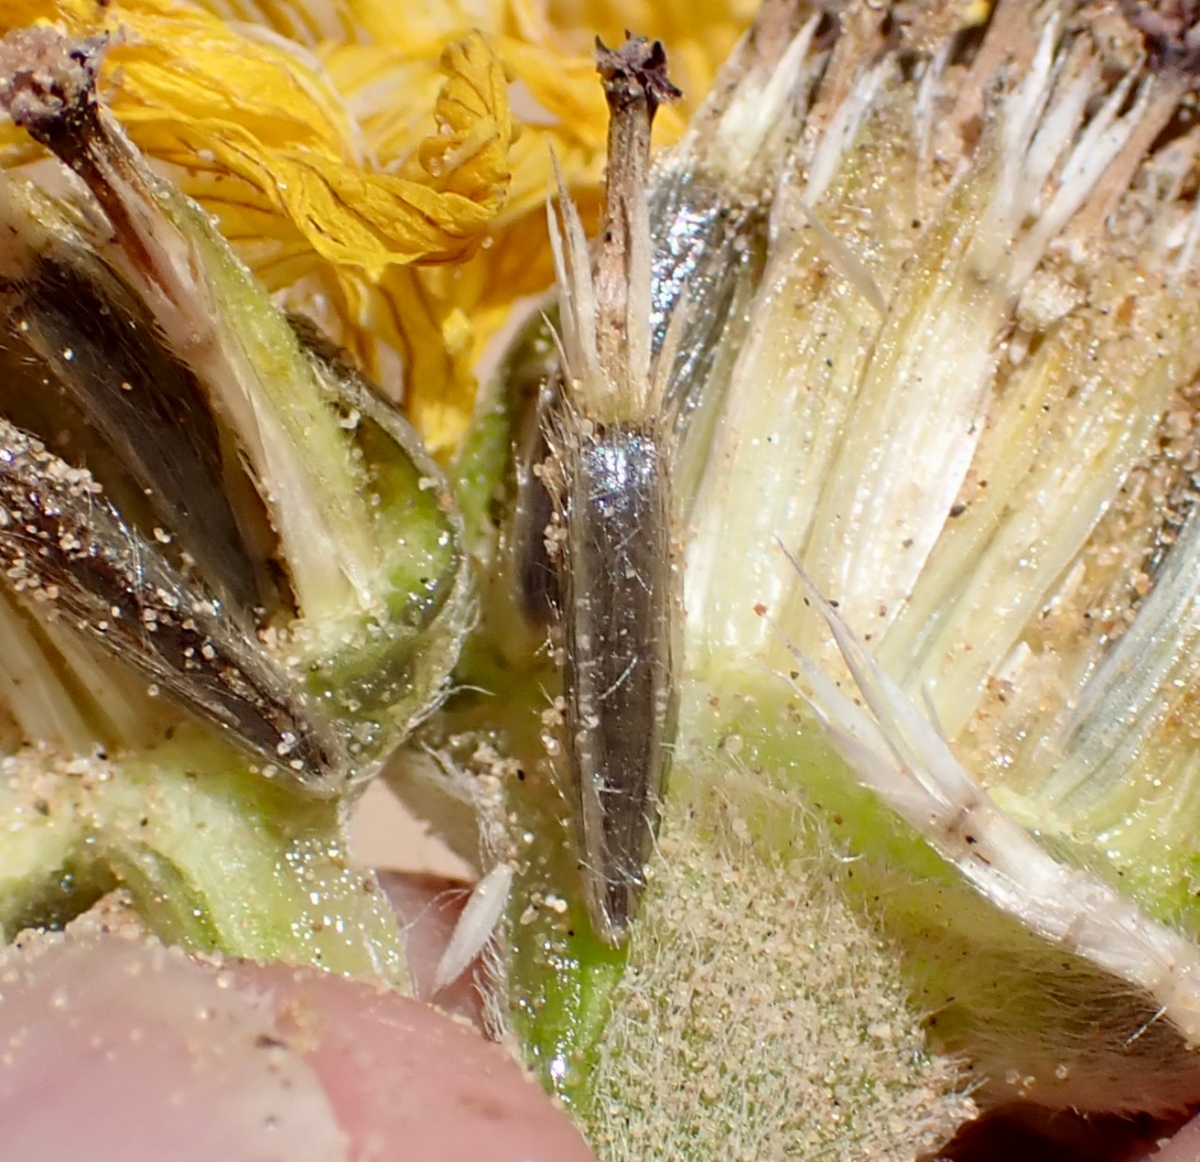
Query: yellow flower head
349	151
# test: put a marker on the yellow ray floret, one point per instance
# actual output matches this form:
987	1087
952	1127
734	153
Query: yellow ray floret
342	145
255	125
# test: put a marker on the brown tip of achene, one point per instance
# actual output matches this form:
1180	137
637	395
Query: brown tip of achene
635	70
47	79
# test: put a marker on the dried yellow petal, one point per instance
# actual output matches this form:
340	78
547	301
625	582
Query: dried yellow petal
261	116
335	141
